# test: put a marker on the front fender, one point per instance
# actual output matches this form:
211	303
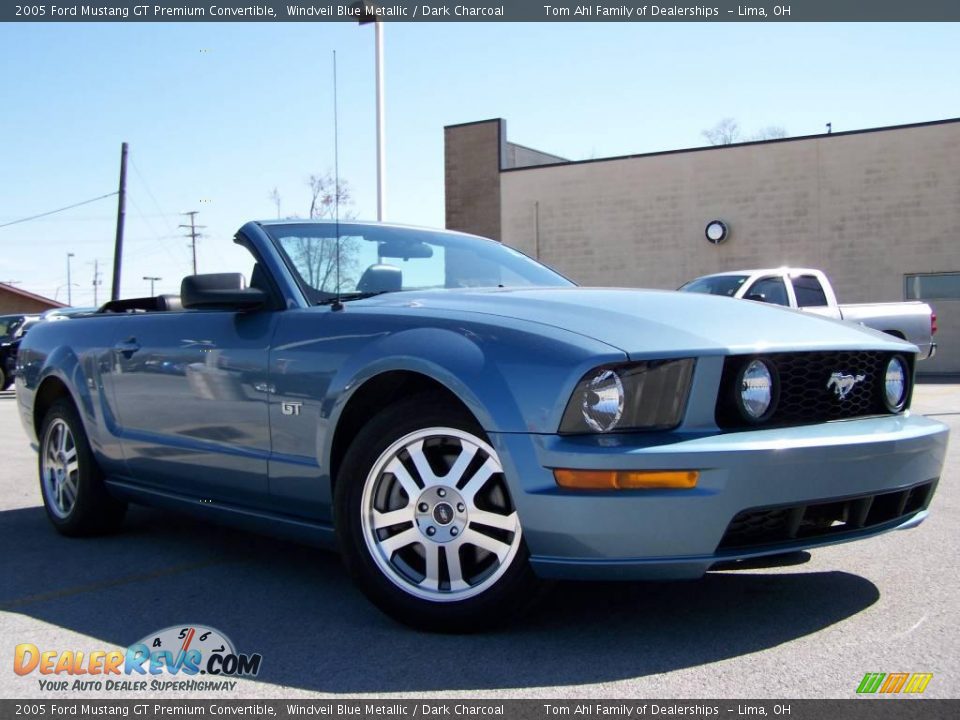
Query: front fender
448	357
511	379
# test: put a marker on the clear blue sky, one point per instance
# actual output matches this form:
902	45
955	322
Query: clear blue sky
217	115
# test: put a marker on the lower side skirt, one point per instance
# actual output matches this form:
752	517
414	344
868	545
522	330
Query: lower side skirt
273	524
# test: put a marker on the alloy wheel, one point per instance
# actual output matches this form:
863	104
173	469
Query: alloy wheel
60	468
437	516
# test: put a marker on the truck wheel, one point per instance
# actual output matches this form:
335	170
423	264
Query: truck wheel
425	521
74	495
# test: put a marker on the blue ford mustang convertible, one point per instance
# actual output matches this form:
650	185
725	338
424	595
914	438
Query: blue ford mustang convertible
462	421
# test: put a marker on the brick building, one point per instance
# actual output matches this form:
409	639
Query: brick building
878	210
13	301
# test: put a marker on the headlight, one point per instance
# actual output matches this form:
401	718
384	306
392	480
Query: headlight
602	404
648	395
757	391
895	384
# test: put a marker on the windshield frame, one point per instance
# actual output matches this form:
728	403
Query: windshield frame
379	232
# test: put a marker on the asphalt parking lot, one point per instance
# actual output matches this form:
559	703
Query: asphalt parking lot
809	630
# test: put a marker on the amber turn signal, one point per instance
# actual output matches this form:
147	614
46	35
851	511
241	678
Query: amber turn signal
626	479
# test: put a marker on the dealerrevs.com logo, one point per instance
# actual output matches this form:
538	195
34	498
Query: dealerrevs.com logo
168	660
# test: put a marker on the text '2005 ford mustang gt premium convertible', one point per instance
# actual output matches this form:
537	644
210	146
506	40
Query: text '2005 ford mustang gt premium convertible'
462	421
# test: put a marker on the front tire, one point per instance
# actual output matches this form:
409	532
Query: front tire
425	521
74	495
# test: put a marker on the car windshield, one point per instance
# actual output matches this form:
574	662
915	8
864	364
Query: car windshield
375	259
716	285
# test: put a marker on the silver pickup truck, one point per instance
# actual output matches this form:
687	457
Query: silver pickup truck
810	291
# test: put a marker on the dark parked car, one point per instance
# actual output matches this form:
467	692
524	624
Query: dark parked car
13	328
6	321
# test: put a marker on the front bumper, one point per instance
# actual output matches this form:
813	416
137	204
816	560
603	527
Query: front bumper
676	534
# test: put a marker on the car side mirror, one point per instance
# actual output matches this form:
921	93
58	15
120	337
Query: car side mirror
223	291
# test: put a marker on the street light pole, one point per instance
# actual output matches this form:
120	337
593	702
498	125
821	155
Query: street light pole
381	129
367	12
152	281
69	284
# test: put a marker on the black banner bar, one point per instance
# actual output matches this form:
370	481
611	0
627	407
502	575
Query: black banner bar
438	709
482	11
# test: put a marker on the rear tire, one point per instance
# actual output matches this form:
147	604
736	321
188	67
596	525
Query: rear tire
425	522
74	495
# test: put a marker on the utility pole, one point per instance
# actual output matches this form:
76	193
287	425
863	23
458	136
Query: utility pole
193	235
275	197
152	281
69	294
96	281
121	216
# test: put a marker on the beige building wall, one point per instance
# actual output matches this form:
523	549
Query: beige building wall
865	207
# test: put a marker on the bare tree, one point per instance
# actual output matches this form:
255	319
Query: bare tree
327	195
725	132
771	132
274	197
316	258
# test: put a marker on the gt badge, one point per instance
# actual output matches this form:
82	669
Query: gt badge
843	384
290	408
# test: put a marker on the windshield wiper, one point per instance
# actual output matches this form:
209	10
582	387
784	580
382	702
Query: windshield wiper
351	296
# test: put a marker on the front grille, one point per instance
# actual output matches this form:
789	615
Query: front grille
804	395
771	526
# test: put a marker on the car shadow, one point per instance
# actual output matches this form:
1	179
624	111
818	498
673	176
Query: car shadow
296	606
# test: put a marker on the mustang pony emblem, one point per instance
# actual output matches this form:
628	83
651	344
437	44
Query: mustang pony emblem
843	384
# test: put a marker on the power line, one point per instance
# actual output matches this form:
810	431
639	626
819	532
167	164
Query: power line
52	212
160	213
159	238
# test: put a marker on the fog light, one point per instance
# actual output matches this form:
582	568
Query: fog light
603	401
756	391
895	384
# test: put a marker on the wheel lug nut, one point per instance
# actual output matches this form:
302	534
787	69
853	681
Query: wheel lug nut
431	531
454	531
441	492
461	507
423	507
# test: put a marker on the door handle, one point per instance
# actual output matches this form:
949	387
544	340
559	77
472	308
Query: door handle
127	348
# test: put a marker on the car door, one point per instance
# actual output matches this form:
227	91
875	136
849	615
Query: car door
190	389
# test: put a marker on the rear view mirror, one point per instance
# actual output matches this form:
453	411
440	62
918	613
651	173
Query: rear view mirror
404	250
220	290
758	297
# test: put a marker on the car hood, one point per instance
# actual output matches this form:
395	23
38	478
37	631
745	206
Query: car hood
650	322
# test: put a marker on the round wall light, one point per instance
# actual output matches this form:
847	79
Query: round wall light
716	231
